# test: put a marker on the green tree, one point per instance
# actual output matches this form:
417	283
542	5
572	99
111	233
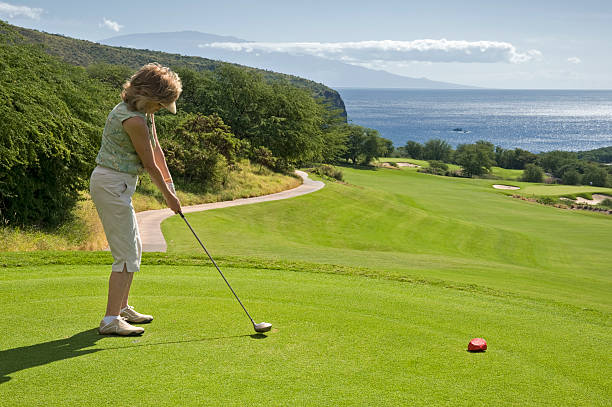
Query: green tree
354	142
522	158
413	150
292	126
335	141
385	146
533	173
595	175
364	144
200	150
475	159
552	161
438	150
571	177
600	155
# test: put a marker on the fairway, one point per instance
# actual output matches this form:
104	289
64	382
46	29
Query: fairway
401	222
374	289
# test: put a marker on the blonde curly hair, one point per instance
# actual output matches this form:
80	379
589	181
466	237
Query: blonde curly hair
152	83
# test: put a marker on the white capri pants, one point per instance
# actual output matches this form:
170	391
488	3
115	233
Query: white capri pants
111	192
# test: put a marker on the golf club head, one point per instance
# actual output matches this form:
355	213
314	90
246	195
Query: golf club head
262	327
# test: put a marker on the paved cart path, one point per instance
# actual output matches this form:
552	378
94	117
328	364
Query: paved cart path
149	222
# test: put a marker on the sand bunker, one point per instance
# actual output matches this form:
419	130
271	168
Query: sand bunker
499	186
408	165
597	199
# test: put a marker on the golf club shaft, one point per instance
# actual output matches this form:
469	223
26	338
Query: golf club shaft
218	269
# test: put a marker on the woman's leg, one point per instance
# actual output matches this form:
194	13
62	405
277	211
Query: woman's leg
118	290
126	290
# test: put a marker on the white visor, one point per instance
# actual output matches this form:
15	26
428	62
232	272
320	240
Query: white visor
171	107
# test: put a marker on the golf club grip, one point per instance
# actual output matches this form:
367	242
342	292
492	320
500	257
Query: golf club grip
218	269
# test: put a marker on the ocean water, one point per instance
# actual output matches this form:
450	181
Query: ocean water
534	120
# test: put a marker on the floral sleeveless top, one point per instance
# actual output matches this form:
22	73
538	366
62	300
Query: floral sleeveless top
117	151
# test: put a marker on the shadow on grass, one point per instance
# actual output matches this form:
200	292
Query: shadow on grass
26	357
137	345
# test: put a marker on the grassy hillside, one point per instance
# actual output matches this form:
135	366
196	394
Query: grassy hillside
403	223
85	53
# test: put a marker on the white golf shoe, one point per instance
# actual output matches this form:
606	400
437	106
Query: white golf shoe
119	327
135	317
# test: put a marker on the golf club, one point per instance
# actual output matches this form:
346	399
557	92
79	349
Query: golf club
261	327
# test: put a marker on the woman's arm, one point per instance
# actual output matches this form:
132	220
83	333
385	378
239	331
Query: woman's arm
160	158
136	128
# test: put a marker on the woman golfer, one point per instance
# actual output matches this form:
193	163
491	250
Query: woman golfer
128	146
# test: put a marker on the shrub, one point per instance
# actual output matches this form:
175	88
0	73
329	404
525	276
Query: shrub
330	171
436	168
200	150
571	177
607	202
263	156
533	173
51	118
546	200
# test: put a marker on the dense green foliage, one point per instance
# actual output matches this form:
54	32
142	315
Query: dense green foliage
567	167
364	144
435	167
85	53
477	159
52	115
50	123
329	172
413	150
514	159
533	173
438	150
283	119
200	149
600	155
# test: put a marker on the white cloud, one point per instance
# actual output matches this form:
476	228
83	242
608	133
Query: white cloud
113	25
9	10
574	60
392	51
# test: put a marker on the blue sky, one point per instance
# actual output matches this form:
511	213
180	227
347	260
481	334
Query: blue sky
520	44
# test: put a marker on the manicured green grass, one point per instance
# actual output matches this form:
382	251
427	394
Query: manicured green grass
505	173
422	163
422	226
557	190
501	173
374	289
337	340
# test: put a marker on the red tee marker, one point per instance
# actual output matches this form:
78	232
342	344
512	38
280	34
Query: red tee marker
477	345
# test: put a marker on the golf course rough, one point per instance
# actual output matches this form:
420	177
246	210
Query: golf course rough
373	288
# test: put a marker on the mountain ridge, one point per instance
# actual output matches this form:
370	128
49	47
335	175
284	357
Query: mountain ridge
321	70
84	53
